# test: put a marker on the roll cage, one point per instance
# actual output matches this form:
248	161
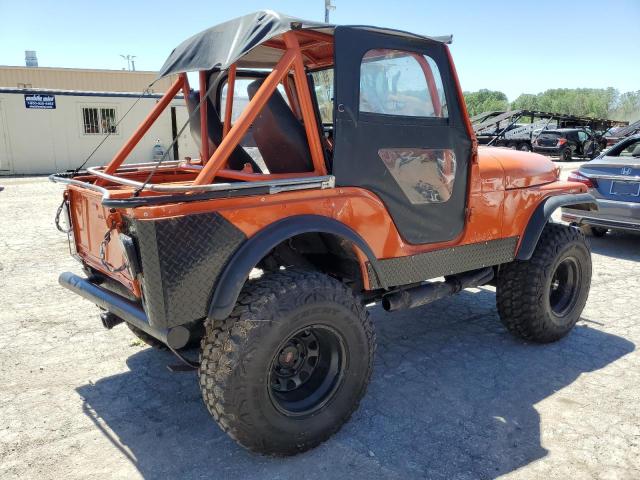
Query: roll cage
299	52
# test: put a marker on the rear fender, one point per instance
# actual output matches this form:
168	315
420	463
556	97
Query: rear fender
540	217
237	270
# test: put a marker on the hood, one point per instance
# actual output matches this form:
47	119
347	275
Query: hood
521	169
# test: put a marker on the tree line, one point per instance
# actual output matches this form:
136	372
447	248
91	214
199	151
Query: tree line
587	102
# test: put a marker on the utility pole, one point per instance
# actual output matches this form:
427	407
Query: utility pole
131	66
327	8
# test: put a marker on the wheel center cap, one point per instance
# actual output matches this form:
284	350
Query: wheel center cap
288	356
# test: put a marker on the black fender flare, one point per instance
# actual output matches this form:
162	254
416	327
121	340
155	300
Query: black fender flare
236	272
542	214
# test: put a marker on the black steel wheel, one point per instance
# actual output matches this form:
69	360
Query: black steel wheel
564	286
307	370
542	298
289	366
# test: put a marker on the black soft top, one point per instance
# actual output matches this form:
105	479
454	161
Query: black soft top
241	40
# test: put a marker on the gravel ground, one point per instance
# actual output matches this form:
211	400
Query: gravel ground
453	396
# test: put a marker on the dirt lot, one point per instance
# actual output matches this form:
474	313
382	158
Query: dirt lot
453	396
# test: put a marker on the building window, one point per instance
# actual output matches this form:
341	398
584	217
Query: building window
97	120
395	82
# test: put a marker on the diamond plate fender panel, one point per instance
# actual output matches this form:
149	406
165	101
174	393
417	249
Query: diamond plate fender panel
181	260
447	261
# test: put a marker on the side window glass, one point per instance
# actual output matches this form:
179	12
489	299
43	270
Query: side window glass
395	82
582	136
425	175
323	83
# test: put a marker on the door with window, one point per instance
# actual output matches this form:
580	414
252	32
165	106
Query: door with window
399	130
586	142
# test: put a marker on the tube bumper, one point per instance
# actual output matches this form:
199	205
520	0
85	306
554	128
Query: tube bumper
130	312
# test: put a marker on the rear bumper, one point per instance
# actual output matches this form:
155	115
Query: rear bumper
610	214
547	150
130	312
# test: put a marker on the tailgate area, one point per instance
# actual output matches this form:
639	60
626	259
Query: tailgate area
89	226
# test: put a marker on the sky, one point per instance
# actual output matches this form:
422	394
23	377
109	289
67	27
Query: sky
512	46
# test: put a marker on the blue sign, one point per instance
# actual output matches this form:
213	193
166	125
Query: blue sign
42	102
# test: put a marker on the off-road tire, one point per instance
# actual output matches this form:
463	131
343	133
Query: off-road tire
146	338
524	290
238	355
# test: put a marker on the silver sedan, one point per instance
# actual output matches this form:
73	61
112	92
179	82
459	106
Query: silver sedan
614	179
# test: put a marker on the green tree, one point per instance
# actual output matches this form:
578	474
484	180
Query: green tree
584	102
627	107
525	101
485	101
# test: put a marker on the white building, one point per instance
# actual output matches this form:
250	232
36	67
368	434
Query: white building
52	118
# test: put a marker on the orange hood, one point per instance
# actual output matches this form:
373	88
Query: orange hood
520	169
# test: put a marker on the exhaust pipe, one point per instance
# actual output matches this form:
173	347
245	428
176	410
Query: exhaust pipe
430	292
109	320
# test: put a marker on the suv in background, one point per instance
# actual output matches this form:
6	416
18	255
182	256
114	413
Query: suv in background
567	142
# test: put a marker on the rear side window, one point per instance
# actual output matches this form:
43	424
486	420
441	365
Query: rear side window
323	82
395	82
550	135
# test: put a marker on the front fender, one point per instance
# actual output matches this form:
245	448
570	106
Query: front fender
237	270
542	214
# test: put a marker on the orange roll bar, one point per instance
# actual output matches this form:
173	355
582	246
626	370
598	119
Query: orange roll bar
204	131
231	140
231	85
306	104
431	83
126	149
252	177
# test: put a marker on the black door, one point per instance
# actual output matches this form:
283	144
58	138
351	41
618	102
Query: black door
399	131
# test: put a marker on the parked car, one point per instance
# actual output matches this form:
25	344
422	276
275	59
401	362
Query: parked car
567	143
614	179
617	134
